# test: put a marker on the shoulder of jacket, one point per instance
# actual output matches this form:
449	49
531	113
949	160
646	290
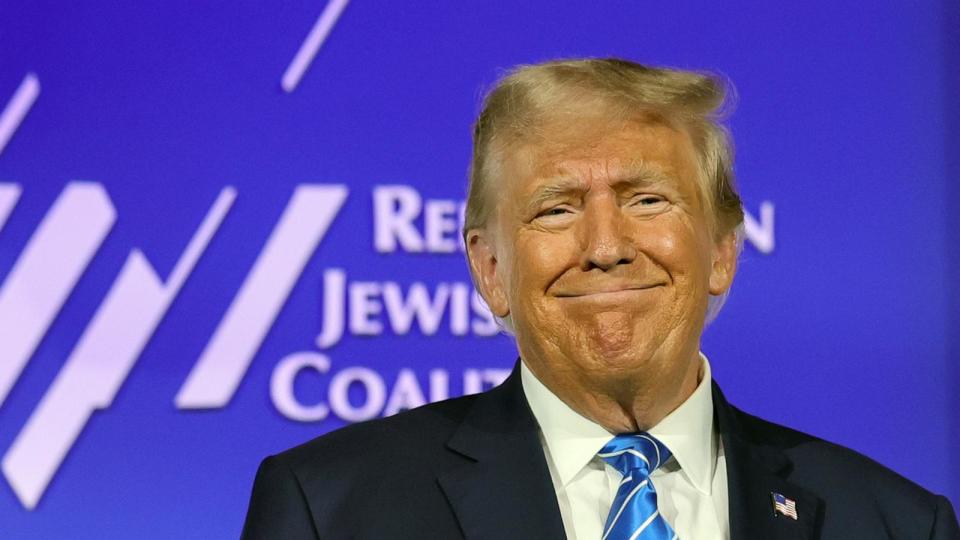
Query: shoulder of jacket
818	461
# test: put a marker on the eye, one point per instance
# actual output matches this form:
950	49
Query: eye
647	204
558	210
648	200
554	215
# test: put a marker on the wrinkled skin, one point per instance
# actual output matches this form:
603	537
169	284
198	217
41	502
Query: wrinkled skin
604	256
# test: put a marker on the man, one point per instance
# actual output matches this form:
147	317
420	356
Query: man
601	227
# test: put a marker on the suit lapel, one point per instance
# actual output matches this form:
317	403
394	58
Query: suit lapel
504	490
754	472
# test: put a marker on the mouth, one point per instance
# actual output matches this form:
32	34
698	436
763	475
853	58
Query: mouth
612	292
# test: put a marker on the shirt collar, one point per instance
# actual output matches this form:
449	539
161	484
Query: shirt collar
574	440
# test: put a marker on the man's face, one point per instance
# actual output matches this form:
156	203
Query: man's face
602	253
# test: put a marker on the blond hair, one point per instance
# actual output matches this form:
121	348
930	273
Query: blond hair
529	95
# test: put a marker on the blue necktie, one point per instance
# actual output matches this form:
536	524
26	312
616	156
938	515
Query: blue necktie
634	514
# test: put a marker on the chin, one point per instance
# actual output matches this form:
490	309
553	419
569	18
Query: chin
613	335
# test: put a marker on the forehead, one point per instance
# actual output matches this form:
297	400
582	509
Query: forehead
600	149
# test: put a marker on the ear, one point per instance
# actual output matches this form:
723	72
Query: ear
724	263
482	255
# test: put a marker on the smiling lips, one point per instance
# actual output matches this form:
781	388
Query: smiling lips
608	291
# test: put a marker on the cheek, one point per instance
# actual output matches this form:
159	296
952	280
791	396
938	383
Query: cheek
674	245
539	260
664	239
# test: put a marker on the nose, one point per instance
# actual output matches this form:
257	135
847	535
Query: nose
605	239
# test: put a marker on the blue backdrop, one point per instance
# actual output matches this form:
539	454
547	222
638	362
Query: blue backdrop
228	227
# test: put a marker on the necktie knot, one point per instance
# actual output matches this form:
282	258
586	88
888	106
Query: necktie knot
631	452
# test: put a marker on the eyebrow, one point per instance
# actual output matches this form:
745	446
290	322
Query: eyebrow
639	174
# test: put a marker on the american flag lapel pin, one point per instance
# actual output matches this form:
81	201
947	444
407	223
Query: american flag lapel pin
783	506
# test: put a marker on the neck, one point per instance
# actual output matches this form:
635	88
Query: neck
626	403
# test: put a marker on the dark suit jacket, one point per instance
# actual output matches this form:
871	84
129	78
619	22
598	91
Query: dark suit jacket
473	467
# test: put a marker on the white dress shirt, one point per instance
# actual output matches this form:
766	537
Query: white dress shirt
691	487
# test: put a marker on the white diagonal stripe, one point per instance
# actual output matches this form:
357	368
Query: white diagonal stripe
655	447
9	193
18	107
622	506
308	50
46	272
228	354
644	525
98	366
626	451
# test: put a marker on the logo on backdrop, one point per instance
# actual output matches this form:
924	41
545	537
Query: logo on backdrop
72	231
